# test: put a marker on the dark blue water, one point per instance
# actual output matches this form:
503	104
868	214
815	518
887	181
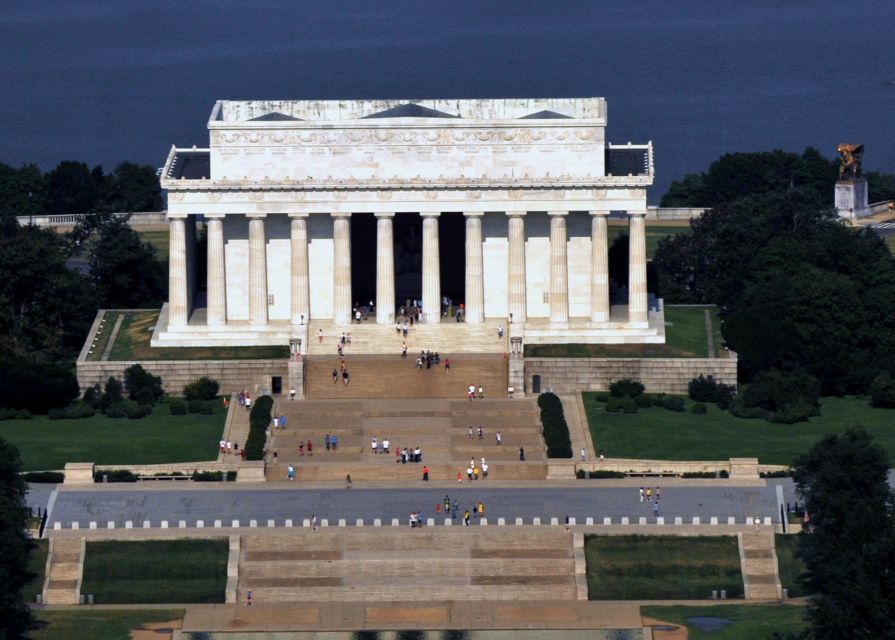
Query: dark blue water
110	81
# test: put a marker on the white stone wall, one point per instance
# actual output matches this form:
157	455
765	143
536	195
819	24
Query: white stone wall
320	260
580	263
494	255
537	264
279	266
236	259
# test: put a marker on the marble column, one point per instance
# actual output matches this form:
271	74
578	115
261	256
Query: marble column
599	290
475	271
257	271
216	272
637	296
516	266
341	268
178	296
559	268
431	269
300	311
385	268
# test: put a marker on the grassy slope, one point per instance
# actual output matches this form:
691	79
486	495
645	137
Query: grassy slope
156	572
789	566
157	438
98	624
661	567
750	622
133	338
657	433
102	336
37	565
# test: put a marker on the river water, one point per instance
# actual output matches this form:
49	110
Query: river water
105	82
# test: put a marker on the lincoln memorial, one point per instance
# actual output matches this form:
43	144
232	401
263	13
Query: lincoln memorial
469	213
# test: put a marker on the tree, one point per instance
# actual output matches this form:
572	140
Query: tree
73	188
849	553
22	192
125	269
142	387
112	395
132	187
15	616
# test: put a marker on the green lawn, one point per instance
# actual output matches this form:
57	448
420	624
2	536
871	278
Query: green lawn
685	337
156	571
133	338
789	566
37	565
661	567
657	433
654	233
103	335
157	438
99	624
750	622
159	240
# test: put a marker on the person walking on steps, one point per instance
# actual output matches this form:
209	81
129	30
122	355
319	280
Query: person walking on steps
521	454
466	518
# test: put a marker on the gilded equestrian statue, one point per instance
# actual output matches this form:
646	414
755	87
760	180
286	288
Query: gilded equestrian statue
850	156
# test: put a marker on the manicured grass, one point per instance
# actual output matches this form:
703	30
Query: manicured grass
657	433
790	567
750	622
654	233
133	339
98	624
157	438
156	571
37	565
685	337
103	335
159	239
890	242
661	567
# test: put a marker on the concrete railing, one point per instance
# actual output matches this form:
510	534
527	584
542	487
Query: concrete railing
137	218
674	213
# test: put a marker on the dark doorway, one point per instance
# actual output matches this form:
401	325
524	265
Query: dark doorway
363	258
408	232
536	383
276	385
452	256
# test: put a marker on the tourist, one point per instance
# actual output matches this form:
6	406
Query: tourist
249	598
282	422
417	454
471	392
292	394
290	472
447	503
656	509
469	435
223	447
499	331
583	454
385	445
275	458
481	392
348	338
475	473
229	447
466	518
447	365
314	522
602	457
460	477
404	351
641	494
649	494
301	448
404	456
320	336
348	481
426	473
310	448
335	376
326	441
398	328
521	454
481	509
658	493
226	402
275	423
499	438
345	377
484	469
335	441
374	445
469	473
454	508
481	433
248	402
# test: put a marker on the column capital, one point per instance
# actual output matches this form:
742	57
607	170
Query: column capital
516	214
430	214
303	214
256	215
637	212
557	213
384	214
215	216
177	216
340	214
473	214
599	212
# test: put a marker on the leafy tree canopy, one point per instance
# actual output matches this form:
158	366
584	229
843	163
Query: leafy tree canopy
126	270
15	616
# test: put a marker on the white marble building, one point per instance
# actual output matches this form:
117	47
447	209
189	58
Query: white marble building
533	179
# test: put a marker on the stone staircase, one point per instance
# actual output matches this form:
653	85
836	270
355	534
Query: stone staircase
371	338
439	427
390	376
758	559
427	564
66	560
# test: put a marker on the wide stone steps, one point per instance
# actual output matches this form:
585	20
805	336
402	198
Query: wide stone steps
64	575
759	565
442	472
408	565
394	377
371	338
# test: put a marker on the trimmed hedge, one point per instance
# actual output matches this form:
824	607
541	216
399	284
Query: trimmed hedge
259	420
556	430
214	476
116	475
581	474
44	477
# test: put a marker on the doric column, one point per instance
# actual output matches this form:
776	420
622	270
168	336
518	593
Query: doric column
341	268
385	268
257	271
516	266
431	269
559	268
178	296
216	272
300	280
599	290
637	297
475	272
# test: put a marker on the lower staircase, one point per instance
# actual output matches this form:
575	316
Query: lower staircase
427	564
758	558
63	582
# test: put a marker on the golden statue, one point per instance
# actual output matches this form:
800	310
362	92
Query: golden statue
850	160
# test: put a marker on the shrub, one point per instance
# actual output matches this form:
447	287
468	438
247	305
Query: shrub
259	419
203	388
44	477
14	414
135	411
116	475
194	405
699	408
117	411
36	387
556	430
643	401
614	405
626	387
206	408
581	474
601	397
74	411
882	391
177	407
93	395
707	389
786	473
674	403
142	387
775	391
112	395
628	405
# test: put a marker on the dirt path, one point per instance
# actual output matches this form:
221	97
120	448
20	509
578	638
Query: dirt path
679	632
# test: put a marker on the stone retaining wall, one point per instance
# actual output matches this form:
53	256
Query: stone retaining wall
233	375
659	375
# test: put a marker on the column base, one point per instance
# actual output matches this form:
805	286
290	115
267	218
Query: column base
599	318
637	324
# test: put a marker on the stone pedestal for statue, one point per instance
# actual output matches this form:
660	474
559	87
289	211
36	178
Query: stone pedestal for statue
851	198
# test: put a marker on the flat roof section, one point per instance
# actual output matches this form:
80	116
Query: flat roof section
190	165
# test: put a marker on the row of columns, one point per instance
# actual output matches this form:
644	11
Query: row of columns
179	307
